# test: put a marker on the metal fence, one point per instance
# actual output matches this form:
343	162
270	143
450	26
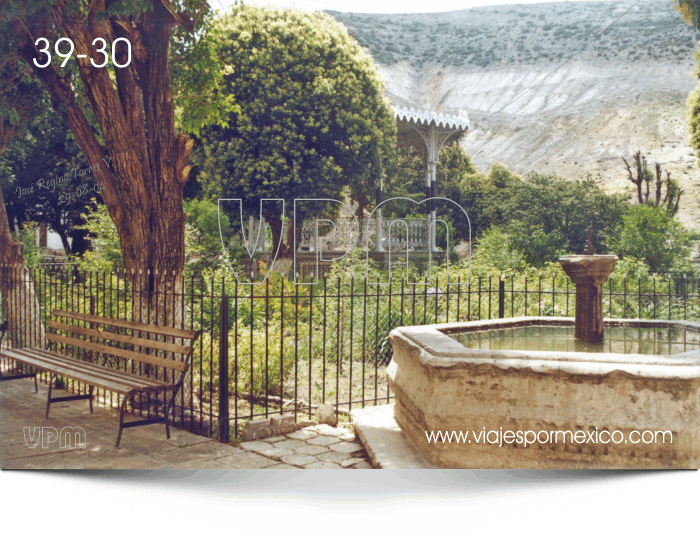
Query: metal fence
280	347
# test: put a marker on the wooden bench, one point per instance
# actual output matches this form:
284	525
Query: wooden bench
14	376
130	347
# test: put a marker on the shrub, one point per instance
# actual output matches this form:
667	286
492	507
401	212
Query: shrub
654	236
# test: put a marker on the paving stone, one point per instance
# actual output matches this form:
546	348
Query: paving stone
256	446
322	466
298	459
246	460
276	452
282	466
312	449
184	438
303	434
364	465
142	462
346	447
332	456
323	440
330	431
349	437
290	444
273	439
313	428
351	462
210	451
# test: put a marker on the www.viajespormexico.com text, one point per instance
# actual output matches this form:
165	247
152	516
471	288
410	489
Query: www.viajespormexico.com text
530	437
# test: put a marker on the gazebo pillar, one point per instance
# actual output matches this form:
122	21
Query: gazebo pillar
379	245
434	131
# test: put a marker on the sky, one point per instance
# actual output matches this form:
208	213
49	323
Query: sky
381	6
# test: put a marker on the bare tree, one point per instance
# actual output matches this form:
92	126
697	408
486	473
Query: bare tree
642	177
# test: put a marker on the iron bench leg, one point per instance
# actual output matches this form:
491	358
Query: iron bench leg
49	400
24	374
122	408
4	378
168	407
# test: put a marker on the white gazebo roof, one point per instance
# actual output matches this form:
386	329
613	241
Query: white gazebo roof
426	117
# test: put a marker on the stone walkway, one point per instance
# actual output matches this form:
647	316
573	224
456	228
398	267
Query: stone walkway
318	446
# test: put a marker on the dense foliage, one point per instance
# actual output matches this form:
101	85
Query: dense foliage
45	179
654	236
548	216
313	118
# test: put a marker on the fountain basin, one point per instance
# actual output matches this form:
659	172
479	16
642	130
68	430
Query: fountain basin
441	385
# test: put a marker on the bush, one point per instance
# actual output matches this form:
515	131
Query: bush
27	235
495	254
652	235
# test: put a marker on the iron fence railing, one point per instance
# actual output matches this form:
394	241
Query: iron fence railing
281	347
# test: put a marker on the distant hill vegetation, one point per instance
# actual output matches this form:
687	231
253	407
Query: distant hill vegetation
555	88
493	37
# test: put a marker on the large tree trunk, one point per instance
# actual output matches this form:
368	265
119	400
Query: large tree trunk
147	170
20	304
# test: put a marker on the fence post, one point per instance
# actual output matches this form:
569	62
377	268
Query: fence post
224	434
501	297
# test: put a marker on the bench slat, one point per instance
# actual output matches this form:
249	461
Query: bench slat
153	360
107	372
136	341
70	371
149	328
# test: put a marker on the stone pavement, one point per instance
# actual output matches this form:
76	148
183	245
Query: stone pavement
318	446
385	442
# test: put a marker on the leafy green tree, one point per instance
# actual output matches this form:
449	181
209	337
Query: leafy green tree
481	195
494	253
202	240
484	196
690	10
139	114
19	96
204	231
313	116
548	216
46	179
651	234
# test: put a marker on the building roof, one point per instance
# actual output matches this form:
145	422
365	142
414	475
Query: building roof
426	117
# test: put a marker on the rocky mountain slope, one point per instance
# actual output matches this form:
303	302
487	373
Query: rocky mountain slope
552	88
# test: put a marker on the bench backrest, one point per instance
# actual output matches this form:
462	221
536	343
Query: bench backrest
146	343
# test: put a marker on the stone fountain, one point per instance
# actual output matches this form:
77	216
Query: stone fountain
588	272
550	374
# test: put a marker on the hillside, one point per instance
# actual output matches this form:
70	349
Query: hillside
620	92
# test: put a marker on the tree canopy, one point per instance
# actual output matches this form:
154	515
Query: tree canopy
113	89
652	234
313	118
548	216
45	179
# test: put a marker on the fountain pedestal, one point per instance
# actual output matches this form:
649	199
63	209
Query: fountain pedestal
588	273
